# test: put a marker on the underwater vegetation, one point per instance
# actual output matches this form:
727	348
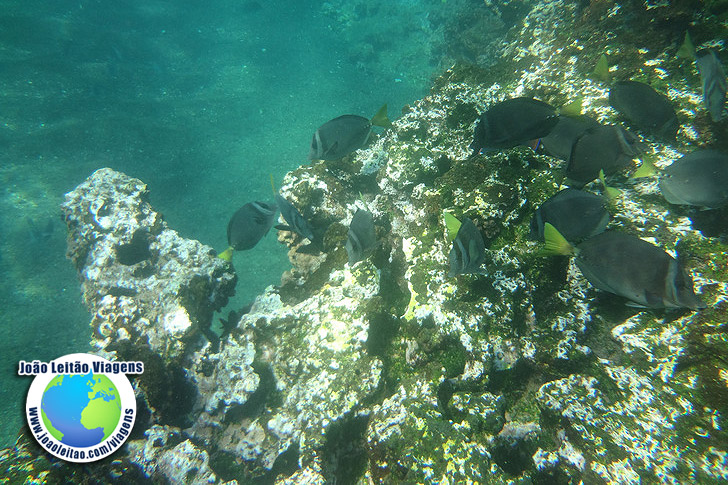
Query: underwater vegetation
429	340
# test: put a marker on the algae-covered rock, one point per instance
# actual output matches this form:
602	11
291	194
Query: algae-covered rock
145	285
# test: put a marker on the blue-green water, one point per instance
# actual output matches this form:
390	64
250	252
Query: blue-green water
202	101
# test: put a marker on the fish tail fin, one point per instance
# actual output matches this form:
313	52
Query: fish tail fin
610	192
601	70
572	108
555	243
560	177
227	255
687	49
381	119
647	169
272	184
452	224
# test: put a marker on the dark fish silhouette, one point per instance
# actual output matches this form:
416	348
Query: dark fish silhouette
293	217
576	214
714	83
699	178
250	223
605	147
645	107
635	269
40	233
341	136
513	122
362	237
468	250
561	140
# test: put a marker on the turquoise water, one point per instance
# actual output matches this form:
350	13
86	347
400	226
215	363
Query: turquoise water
202	102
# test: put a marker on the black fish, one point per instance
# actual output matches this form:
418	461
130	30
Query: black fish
635	269
645	107
361	237
577	215
561	140
468	250
295	220
699	178
605	147
250	223
513	122
341	136
714	84
40	233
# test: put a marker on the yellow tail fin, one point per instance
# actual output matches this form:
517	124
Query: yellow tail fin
601	70
572	108
227	255
555	243
381	119
610	192
687	49
452	224
647	169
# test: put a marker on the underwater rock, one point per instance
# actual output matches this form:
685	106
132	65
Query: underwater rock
165	453
145	285
311	357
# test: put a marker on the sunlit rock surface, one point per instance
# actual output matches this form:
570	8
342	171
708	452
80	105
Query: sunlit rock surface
391	372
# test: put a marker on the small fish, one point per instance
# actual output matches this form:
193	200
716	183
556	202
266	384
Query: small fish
699	178
513	122
630	267
714	83
248	226
296	222
645	107
574	213
468	250
362	237
604	147
561	140
339	137
40	233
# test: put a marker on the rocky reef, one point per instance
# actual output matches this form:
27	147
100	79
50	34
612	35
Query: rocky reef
388	371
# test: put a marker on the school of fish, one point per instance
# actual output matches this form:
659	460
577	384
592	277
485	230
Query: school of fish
571	222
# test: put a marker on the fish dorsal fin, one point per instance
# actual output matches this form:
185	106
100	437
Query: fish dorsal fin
555	243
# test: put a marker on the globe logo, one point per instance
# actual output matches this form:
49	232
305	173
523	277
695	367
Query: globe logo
81	410
80	407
